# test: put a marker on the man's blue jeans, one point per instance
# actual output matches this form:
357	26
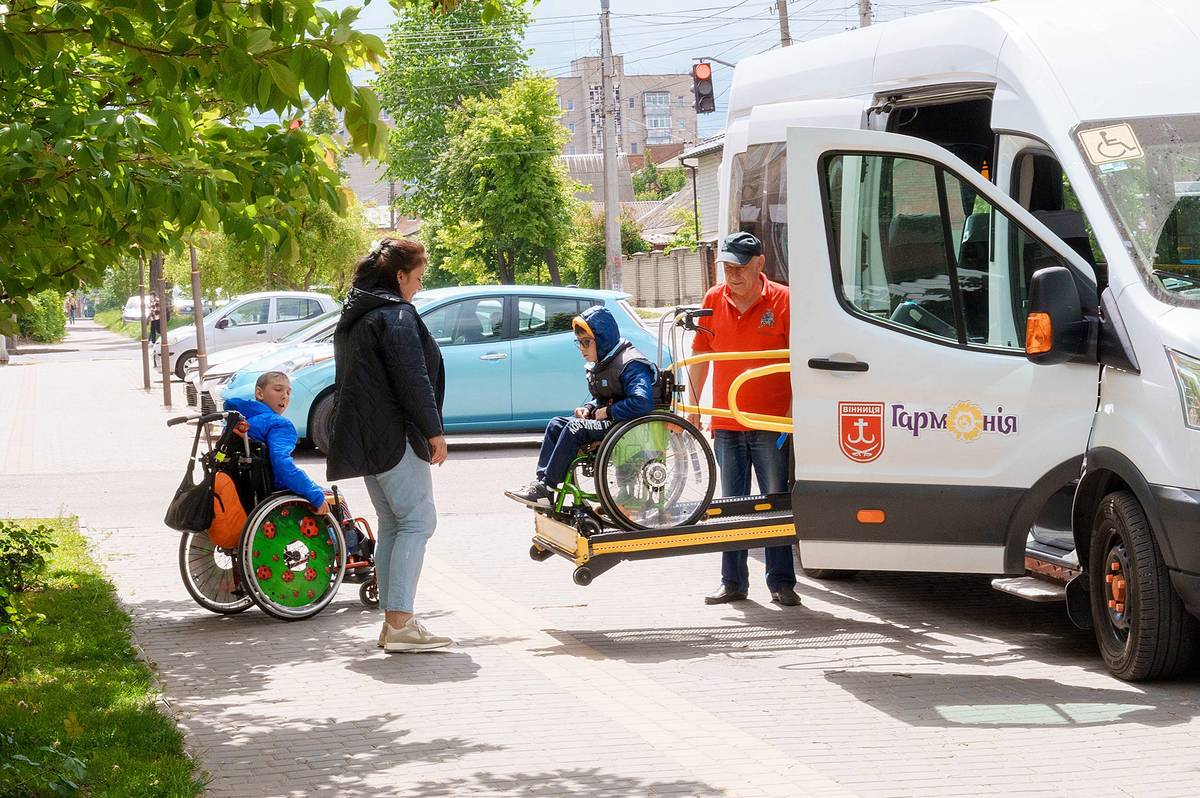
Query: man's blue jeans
737	452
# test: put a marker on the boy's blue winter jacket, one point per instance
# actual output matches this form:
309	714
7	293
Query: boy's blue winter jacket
279	435
637	379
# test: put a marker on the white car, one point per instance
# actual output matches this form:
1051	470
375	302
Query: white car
251	318
224	364
133	310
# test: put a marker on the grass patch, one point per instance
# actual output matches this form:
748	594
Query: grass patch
79	689
111	319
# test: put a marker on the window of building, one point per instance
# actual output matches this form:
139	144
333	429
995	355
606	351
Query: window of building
658	122
570	149
570	105
571	126
632	101
656	99
633	148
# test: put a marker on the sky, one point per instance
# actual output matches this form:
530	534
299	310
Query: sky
664	36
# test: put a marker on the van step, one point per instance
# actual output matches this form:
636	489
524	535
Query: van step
1031	588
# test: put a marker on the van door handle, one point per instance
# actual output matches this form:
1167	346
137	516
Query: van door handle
494	356
825	364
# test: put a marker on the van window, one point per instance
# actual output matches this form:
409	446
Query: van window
913	247
758	202
1148	171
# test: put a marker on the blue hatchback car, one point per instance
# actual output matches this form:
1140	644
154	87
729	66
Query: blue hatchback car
510	355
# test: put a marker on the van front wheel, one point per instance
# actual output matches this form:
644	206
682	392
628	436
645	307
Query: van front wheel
1142	627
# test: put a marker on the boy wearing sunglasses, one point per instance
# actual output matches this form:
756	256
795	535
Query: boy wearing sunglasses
621	381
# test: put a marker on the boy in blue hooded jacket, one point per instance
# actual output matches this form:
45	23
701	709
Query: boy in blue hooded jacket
264	415
621	381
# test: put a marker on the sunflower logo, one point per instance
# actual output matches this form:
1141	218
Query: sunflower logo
965	421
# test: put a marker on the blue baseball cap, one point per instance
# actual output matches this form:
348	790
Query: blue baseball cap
739	248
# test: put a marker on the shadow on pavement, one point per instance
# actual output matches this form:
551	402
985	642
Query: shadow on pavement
584	783
437	667
963	700
321	754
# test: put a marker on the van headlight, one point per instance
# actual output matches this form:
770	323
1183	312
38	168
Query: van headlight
1187	377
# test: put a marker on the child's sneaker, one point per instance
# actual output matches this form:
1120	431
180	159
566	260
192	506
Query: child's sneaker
535	494
413	636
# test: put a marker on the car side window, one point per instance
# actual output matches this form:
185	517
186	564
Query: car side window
545	315
256	312
918	248
471	321
296	308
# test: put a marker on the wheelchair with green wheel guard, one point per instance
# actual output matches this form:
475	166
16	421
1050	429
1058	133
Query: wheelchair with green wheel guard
284	558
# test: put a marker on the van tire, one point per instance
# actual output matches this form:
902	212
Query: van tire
320	423
1145	632
823	574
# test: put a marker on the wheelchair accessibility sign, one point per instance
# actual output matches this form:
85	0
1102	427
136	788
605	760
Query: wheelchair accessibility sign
1105	145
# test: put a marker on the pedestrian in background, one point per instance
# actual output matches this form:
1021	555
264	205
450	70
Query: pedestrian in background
71	307
387	427
750	313
152	316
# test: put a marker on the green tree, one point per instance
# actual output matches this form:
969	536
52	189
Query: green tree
436	59
652	183
126	125
506	199
589	243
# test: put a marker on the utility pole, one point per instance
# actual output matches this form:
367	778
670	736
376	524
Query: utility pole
865	15
198	314
612	207
785	35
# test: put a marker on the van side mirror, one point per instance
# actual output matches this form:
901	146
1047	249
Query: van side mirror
222	323
1056	329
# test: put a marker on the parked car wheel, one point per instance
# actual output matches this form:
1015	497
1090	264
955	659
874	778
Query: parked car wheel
320	425
1142	627
184	363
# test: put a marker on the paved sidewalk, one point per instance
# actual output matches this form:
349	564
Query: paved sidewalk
886	685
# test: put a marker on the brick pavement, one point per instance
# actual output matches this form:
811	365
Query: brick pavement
887	685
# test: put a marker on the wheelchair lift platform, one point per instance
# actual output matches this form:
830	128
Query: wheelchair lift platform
740	522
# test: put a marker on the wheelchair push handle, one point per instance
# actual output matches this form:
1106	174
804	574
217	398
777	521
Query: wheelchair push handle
232	417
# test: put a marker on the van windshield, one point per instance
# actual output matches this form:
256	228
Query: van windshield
1148	170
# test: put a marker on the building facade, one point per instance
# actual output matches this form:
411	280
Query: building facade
651	109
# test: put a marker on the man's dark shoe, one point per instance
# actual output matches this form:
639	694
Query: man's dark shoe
725	595
785	596
535	494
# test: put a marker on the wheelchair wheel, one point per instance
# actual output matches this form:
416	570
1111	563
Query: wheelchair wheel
654	472
210	575
292	560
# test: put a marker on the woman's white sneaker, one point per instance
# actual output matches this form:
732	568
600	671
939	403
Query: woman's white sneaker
413	636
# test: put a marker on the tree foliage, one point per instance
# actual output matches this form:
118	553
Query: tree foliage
652	183
124	124
440	54
507	200
589	228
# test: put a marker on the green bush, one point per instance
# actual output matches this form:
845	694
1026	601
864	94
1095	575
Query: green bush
47	322
22	564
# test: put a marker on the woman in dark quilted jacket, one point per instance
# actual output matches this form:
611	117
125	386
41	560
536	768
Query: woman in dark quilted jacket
387	427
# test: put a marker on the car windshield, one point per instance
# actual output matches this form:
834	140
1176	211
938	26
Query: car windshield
312	328
1148	170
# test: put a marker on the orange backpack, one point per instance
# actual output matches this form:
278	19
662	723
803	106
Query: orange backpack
228	514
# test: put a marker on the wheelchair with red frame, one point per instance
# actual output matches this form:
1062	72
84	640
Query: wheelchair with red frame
288	560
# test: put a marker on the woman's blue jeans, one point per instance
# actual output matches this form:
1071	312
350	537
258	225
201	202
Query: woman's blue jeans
403	499
737	452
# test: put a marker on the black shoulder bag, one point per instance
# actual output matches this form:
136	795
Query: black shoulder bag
192	508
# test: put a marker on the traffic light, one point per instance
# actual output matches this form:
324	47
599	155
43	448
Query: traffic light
702	88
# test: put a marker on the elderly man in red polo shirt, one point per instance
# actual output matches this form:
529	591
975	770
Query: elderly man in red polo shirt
750	313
